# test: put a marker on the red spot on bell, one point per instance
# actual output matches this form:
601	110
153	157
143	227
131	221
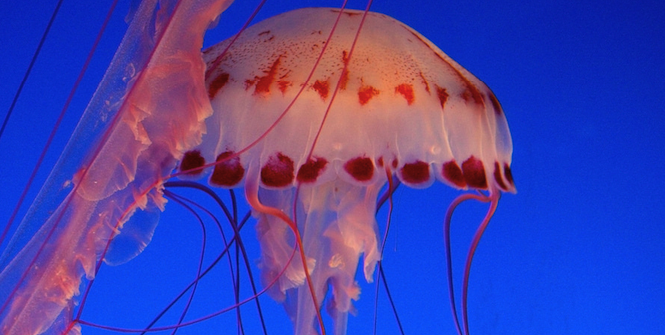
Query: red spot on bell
278	171
471	92
453	173
191	162
406	90
474	173
263	83
366	93
310	171
360	168
228	171
283	85
415	173
217	84
322	88
443	97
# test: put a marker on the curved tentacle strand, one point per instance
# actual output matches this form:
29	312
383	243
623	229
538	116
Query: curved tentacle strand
493	199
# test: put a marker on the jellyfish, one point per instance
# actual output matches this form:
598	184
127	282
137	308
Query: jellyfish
313	113
134	151
314	123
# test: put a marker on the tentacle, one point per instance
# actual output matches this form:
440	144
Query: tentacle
494	202
493	198
393	183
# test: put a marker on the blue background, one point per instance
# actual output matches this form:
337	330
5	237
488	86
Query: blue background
579	248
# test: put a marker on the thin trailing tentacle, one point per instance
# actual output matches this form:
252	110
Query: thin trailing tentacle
493	198
224	252
237	225
390	298
393	183
186	203
200	265
494	201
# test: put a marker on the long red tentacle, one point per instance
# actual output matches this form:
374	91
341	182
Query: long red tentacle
493	198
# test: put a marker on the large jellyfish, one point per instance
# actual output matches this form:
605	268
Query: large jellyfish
314	122
313	112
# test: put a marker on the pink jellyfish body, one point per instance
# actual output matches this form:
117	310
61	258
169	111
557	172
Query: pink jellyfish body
116	183
313	124
313	112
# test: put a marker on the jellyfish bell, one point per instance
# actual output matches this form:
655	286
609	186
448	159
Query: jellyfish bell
399	101
315	111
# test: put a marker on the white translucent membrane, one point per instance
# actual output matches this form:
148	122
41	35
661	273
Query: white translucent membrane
114	164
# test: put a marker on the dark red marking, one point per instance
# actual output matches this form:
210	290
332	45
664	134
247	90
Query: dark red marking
191	161
278	171
452	172
415	173
283	85
442	94
360	168
406	90
263	83
508	174
310	171
422	76
497	176
474	173
264	32
228	171
471	92
344	79
322	88
366	93
379	162
495	103
345	57
217	84
350	14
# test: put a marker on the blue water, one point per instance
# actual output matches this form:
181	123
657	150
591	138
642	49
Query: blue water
578	250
